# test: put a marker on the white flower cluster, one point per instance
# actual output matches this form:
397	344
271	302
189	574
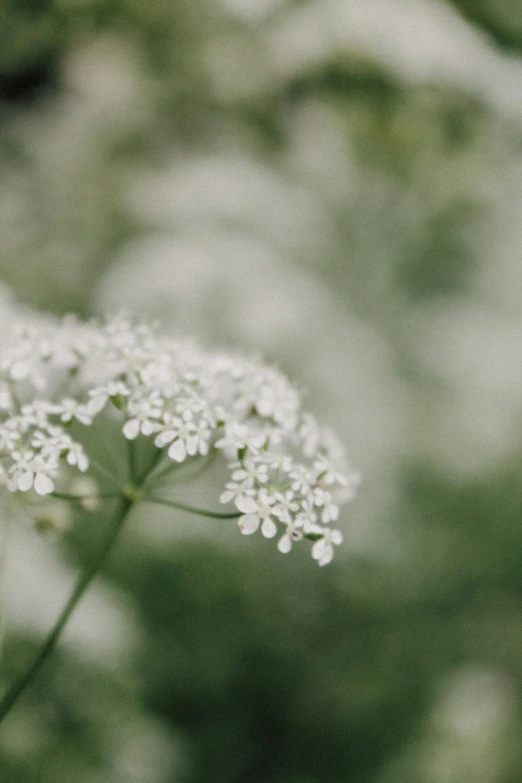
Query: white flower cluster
288	476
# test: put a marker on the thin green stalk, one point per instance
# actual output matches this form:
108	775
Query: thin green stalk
131	446
198	511
17	688
206	461
161	471
104	472
148	472
4	535
81	498
102	442
128	497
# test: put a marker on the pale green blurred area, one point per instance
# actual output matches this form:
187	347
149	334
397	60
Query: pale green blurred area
336	186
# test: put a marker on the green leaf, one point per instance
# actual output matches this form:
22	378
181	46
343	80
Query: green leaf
117	401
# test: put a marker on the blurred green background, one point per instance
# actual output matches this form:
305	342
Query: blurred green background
337	185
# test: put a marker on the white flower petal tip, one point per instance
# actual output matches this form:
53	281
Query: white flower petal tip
248	524
269	528
131	430
43	484
284	544
246	504
177	451
25	482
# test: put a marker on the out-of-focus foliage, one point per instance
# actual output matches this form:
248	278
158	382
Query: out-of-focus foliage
336	184
502	19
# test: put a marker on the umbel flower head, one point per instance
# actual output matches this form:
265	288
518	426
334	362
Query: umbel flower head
287	475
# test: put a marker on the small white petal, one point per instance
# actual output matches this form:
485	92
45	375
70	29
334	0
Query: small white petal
148	427
131	429
265	407
24	481
166	437
246	504
177	451
269	528
310	527
96	404
248	524
284	544
327	556
192	445
83	462
318	549
43	484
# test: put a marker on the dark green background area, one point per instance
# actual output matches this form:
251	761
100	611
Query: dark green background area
252	667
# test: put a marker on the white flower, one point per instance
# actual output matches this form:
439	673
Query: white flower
200	438
234	490
182	436
238	437
251	472
76	456
310	434
30	471
322	550
285	507
72	409
145	413
278	400
324	501
257	511
302	480
292	533
100	395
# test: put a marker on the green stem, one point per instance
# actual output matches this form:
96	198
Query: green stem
81	498
158	478
102	442
132	460
5	528
104	472
148	472
17	688
198	511
160	470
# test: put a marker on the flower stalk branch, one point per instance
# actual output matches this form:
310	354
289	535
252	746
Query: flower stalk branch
190	509
17	688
